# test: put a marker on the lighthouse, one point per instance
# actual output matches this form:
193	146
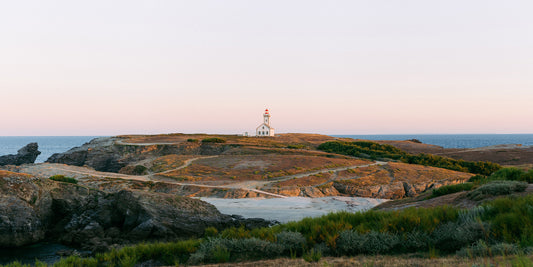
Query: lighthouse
265	129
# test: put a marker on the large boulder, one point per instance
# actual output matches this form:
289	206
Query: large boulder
24	209
27	154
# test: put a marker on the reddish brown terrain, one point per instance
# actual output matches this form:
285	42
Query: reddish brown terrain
239	166
508	155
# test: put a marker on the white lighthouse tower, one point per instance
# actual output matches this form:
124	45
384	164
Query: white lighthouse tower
265	129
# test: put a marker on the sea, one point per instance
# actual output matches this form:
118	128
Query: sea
455	140
49	145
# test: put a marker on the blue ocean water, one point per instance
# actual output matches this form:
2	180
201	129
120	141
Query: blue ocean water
455	140
48	145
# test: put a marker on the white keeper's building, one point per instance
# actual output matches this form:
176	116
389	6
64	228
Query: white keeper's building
265	129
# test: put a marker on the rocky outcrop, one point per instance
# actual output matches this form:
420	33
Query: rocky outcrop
24	210
110	154
27	154
33	209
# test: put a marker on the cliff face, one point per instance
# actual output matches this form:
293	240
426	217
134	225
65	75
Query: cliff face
33	209
109	154
390	181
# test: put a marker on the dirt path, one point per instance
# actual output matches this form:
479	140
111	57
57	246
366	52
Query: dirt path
260	184
49	169
186	164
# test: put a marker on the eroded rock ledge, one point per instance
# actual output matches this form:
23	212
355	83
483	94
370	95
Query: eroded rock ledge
33	209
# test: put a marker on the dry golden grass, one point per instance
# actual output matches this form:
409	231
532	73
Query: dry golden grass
169	162
282	140
399	172
392	261
257	167
4	173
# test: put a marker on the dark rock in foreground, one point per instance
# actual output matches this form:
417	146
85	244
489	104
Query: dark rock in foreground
32	210
27	154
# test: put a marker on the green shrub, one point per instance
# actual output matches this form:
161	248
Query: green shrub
63	178
313	255
496	188
297	146
415	241
450	189
482	249
291	242
513	174
365	149
214	140
477	179
215	249
210	232
167	253
74	261
221	254
190	140
351	242
452	236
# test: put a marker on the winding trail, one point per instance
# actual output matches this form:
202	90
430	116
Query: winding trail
186	164
49	169
259	184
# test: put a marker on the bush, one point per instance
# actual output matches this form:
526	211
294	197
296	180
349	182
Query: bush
450	189
214	140
477	179
292	242
313	255
452	236
375	151
482	249
514	174
352	243
297	146
63	178
229	250
497	188
167	253
190	140
73	261
415	241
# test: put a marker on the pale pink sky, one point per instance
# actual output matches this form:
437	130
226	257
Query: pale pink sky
333	67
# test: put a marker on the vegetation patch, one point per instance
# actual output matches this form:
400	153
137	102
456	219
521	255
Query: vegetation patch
63	178
450	189
500	227
496	188
375	151
214	140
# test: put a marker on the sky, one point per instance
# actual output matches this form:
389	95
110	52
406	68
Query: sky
331	67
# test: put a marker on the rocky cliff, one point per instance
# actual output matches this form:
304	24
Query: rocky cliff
33	209
27	154
110	154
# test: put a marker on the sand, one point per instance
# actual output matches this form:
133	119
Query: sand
291	208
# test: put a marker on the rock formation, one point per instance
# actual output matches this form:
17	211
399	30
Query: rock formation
33	209
27	154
